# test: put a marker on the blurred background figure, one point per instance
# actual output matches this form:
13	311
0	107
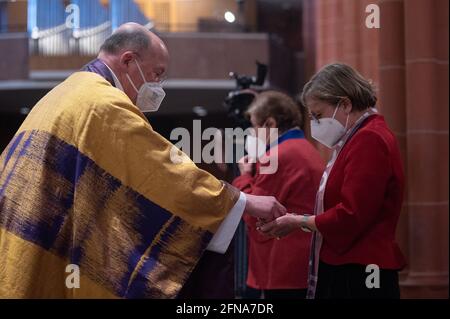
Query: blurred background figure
279	267
43	41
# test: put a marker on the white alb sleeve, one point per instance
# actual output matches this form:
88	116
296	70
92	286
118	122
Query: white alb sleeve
222	238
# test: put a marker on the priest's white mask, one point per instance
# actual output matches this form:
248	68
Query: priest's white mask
150	94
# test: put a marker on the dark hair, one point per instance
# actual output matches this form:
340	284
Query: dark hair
337	81
279	106
135	40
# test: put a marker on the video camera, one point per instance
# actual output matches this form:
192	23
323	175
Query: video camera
238	100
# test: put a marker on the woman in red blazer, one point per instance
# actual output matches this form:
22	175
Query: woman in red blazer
280	267
353	252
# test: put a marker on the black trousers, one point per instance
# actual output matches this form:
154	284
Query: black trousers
349	281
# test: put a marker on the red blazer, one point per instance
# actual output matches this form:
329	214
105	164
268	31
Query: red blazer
283	264
363	199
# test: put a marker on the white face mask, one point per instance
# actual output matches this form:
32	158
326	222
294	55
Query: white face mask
328	131
255	147
150	95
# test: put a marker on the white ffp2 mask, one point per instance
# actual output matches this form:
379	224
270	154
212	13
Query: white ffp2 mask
255	147
328	131
150	94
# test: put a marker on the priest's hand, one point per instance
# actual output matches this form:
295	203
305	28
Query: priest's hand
286	224
266	208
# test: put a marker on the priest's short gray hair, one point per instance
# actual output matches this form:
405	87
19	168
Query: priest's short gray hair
133	40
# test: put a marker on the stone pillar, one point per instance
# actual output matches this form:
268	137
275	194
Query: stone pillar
351	31
426	48
392	93
342	36
369	45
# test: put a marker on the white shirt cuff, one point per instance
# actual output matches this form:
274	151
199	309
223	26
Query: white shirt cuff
222	238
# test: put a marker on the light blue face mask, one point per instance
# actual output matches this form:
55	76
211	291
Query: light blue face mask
150	94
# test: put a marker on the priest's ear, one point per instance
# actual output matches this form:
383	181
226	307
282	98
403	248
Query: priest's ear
126	58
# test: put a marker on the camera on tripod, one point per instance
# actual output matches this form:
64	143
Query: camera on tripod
238	100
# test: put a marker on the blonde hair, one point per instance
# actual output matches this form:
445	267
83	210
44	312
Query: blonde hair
337	81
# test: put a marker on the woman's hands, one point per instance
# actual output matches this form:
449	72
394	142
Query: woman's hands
284	225
265	208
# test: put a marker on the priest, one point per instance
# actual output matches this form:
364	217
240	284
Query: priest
88	188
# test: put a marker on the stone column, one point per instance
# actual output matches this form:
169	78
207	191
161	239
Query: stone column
392	93
426	48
